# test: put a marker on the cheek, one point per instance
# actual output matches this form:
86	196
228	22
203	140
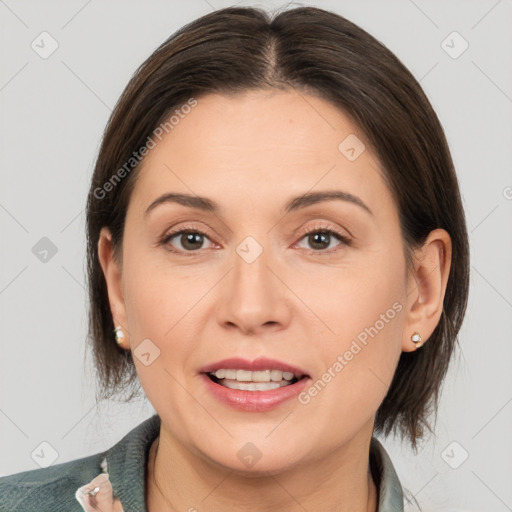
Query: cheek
165	303
360	303
160	308
365	315
157	294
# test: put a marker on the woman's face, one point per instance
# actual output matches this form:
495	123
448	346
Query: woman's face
253	284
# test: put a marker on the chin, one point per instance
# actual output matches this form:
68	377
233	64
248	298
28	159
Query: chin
255	458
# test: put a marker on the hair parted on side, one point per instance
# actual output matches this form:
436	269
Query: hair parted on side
313	51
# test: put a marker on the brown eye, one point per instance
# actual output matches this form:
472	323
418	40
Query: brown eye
320	240
189	240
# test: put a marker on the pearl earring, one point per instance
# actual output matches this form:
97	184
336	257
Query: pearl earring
119	335
416	338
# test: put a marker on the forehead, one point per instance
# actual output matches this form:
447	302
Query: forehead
287	121
258	146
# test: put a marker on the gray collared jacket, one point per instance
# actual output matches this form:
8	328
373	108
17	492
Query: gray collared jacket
57	488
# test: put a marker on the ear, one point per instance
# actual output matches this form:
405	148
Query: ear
113	277
426	287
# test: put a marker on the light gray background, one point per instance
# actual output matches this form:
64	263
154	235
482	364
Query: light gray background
53	112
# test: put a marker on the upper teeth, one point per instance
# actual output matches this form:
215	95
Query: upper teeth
248	376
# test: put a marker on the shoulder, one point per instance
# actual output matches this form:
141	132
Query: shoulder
51	488
54	488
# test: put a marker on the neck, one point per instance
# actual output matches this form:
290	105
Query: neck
178	480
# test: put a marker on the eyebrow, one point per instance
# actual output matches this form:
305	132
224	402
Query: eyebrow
200	203
311	198
295	203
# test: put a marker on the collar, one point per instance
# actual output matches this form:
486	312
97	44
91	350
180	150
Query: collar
124	470
386	480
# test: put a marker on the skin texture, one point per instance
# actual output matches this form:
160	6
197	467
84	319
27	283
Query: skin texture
300	302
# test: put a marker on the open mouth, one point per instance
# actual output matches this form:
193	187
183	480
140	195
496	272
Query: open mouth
261	380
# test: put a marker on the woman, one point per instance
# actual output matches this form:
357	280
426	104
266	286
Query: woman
276	238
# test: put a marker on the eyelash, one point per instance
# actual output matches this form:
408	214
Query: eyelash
322	229
318	229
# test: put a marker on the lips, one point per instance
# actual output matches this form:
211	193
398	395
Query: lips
255	386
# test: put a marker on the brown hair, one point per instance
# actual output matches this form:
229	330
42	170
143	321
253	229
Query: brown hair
234	50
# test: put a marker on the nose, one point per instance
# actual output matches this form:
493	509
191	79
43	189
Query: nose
254	298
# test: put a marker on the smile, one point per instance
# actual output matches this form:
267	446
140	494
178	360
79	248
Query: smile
253	386
261	380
